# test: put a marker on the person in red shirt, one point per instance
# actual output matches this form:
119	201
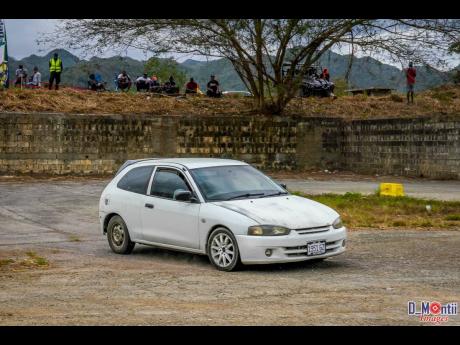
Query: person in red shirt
410	77
325	74
191	87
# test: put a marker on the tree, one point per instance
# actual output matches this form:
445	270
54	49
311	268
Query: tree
258	48
164	68
456	77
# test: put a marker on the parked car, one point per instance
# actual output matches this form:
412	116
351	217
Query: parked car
225	209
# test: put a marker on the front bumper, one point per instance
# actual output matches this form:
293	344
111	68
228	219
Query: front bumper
290	248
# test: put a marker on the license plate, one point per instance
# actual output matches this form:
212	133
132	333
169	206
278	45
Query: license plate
316	248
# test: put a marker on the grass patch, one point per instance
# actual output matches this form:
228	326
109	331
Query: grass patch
27	261
5	262
383	212
34	260
452	217
74	238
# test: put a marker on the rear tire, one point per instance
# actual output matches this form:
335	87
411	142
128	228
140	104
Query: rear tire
223	251
118	236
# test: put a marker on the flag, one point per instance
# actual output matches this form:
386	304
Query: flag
4	75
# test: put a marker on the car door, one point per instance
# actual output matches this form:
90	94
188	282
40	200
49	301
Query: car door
131	190
169	221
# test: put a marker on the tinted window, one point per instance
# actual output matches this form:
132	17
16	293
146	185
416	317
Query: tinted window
166	182
136	180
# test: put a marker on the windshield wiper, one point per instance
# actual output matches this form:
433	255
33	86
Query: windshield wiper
273	194
245	195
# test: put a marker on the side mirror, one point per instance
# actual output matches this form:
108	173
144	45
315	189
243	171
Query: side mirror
283	185
183	195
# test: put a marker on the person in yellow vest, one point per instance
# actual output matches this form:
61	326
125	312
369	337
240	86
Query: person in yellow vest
55	71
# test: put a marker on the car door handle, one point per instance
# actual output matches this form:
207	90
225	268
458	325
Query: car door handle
149	205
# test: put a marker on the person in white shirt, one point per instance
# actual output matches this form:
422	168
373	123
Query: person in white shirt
36	80
124	81
21	76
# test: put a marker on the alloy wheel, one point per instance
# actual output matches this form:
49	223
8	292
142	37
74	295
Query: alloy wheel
222	250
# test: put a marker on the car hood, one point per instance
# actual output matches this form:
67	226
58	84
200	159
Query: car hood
291	211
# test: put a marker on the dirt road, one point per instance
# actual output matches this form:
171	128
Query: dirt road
85	283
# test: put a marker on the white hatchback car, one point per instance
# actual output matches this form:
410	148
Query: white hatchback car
222	208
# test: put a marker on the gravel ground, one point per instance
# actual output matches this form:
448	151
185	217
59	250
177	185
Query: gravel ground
85	283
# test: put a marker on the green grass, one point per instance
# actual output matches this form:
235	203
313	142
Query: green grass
452	217
383	212
34	259
5	262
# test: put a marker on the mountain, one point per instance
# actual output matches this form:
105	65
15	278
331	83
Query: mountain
369	72
365	72
222	68
76	71
68	60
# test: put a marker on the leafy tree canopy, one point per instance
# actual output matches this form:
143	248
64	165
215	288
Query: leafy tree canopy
164	68
259	48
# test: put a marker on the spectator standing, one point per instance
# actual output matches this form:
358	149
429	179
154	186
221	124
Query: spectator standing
56	68
411	73
325	74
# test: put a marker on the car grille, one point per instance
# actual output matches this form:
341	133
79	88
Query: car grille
314	230
302	250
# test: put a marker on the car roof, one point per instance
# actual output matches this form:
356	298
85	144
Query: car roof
193	163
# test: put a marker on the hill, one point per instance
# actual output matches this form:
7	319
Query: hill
366	71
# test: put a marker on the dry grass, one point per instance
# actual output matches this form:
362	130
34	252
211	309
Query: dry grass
442	101
87	102
379	212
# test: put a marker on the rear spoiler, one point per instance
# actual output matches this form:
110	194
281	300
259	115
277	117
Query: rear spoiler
130	162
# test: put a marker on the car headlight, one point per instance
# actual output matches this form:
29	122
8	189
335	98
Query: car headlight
268	230
337	224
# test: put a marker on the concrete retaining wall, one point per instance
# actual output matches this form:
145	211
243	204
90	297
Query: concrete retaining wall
96	145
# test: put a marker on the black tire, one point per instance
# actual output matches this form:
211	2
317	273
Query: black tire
118	244
235	262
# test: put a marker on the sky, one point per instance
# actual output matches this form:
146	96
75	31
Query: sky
23	33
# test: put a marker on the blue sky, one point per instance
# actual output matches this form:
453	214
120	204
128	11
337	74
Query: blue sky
23	33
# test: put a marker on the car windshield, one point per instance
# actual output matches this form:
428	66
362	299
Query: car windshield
234	182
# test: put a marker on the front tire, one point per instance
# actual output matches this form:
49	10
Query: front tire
118	236
223	250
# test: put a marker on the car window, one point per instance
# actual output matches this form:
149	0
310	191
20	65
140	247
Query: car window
166	182
136	180
225	182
